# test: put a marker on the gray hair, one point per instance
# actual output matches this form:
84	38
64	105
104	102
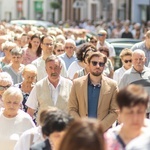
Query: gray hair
13	91
5	78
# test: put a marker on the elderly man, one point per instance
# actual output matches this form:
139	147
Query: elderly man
94	95
138	74
47	45
69	56
52	90
145	46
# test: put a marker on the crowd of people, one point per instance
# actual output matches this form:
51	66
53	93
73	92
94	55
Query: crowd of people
55	95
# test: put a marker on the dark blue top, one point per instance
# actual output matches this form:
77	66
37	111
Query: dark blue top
93	97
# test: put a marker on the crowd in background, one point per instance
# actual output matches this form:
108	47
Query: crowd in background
51	79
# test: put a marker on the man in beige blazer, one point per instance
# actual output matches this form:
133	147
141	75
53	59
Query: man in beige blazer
51	91
94	95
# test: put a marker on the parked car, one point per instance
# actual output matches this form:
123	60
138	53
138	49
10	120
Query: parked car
37	23
120	44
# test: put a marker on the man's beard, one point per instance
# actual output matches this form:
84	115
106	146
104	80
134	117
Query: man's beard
96	73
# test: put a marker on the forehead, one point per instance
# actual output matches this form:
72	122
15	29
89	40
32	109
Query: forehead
53	62
69	44
12	97
97	58
137	55
48	39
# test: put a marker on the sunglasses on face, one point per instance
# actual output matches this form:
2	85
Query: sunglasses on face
60	50
101	64
93	41
101	34
4	87
126	61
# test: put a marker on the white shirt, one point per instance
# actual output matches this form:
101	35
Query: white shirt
32	101
73	68
29	137
54	91
118	74
12	128
112	52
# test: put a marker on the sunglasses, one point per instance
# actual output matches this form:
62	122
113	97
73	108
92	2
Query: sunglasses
93	41
4	87
100	34
126	61
60	50
101	64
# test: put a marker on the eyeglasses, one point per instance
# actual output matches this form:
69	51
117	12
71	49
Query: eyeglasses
100	34
101	64
93	41
126	61
67	47
48	44
4	87
60	50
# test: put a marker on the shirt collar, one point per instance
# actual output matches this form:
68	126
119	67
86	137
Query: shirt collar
59	82
90	82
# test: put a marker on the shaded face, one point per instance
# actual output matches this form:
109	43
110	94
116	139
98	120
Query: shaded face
29	76
8	52
102	37
59	50
127	61
94	42
12	104
24	40
138	61
16	59
53	69
35	42
96	66
3	86
47	45
69	49
133	117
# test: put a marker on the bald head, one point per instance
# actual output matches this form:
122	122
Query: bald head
138	60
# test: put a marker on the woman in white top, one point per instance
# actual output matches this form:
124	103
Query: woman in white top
13	120
126	59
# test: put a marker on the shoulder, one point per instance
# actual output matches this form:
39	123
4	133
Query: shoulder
109	81
68	81
36	60
80	79
41	145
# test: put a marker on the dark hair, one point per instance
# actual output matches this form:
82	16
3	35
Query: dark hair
56	121
39	50
104	48
83	134
97	54
82	50
45	36
93	38
44	113
132	95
